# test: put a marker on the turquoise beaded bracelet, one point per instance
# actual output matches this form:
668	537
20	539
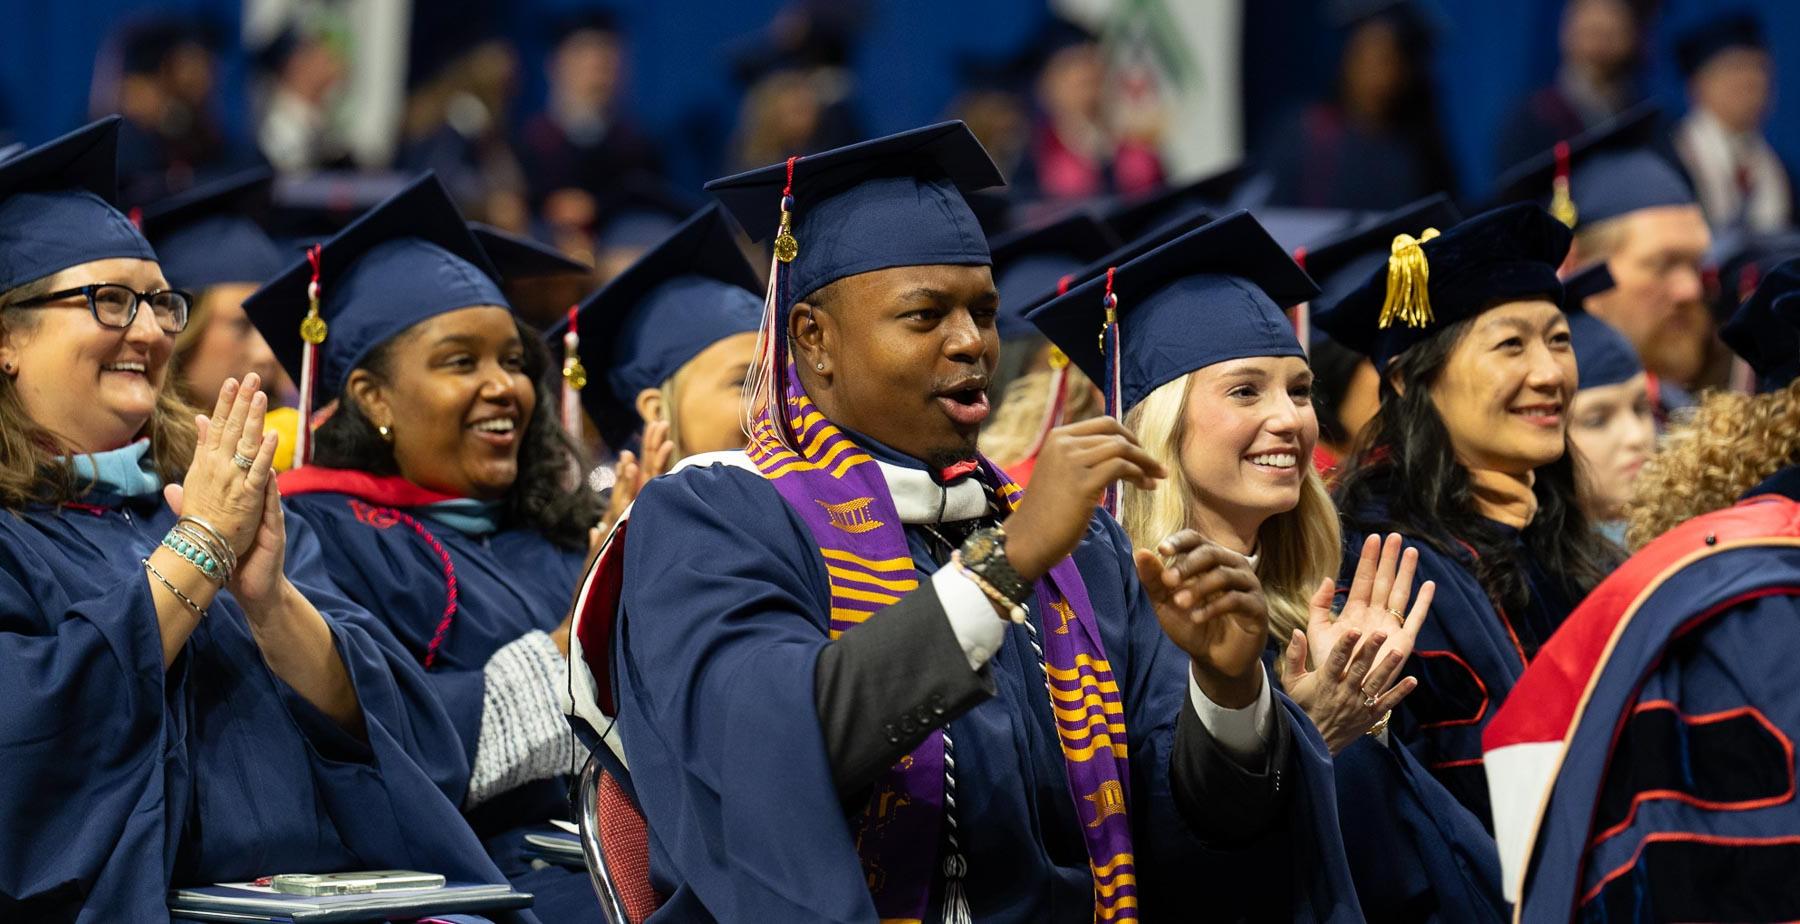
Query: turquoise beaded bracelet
178	542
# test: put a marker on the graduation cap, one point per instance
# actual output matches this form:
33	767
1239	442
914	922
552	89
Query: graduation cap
641	212
1602	173
1742	260
1765	329
518	257
1213	294
1602	354
1343	262
1135	217
691	290
409	259
892	201
212	233
1125	253
1699	45
1431	282
57	207
1028	264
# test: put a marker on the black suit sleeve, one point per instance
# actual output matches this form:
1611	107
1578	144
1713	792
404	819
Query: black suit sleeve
887	683
1224	802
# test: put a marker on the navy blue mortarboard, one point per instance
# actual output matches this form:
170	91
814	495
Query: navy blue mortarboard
409	259
1604	172
690	291
1342	263
1699	45
1743	259
1602	354
1765	330
641	211
1133	218
893	201
56	207
212	234
1213	294
1029	264
1508	254
518	257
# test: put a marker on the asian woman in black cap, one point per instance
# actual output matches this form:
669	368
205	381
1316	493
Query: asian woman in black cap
449	498
190	699
1469	456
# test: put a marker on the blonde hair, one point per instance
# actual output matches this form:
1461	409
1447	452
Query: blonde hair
1732	442
1297	548
199	316
33	464
1013	432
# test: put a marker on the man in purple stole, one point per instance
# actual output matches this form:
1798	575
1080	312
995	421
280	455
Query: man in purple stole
860	678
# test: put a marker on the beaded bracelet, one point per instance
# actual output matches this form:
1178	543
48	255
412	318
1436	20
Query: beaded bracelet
222	553
221	545
182	543
184	598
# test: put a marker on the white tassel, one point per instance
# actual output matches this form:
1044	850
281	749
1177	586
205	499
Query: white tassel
956	904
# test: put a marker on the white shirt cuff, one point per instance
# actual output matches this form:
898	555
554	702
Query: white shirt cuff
1243	733
979	629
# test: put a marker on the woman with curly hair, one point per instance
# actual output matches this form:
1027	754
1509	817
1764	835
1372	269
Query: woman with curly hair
450	500
1469	456
1665	705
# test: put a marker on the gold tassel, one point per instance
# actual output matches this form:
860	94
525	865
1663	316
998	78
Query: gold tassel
1562	205
1408	296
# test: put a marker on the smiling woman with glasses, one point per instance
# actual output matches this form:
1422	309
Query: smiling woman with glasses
188	697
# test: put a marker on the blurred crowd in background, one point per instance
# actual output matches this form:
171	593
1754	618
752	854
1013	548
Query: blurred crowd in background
538	125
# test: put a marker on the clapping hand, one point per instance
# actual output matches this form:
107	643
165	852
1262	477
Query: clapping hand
1356	657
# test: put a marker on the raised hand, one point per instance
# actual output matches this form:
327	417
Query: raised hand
218	489
1076	465
634	471
1209	601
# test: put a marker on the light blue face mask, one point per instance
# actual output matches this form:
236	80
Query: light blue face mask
125	471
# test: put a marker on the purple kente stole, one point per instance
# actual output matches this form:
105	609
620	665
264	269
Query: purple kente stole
840	493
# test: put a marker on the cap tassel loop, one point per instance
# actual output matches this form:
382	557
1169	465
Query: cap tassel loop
1056	404
1302	315
574	377
1109	348
1562	204
786	248
1408	295
313	330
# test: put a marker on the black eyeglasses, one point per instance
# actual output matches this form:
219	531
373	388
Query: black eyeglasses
116	306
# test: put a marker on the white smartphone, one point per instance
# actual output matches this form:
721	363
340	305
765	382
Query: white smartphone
356	883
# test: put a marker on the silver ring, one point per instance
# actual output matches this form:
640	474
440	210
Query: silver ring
1368	701
237	459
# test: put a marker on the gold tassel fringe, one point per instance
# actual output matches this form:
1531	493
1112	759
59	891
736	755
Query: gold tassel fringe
1408	297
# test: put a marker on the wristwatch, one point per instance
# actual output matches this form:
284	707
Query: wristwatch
984	553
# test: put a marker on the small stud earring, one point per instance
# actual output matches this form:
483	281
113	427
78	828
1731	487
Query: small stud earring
387	432
818	366
9	368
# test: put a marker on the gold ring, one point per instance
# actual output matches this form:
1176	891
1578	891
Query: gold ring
1398	615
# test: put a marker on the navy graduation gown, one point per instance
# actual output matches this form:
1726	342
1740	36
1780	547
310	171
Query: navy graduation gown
509	583
722	619
1467	657
1674	798
122	779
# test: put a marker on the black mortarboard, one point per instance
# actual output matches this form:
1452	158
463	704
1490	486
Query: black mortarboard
691	290
1737	29
1028	264
1765	330
1508	254
1342	263
213	233
1607	171
57	207
1213	294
